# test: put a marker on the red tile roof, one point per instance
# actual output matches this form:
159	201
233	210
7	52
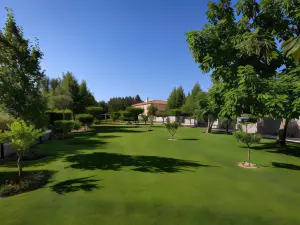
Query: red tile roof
156	102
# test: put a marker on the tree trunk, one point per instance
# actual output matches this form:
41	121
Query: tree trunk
2	151
19	166
227	126
282	133
249	156
209	126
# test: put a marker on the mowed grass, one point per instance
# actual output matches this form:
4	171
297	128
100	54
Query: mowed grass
126	175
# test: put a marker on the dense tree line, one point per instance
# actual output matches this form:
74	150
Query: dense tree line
121	103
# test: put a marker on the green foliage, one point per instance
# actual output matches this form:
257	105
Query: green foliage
94	110
21	75
3	138
151	110
121	103
247	138
134	113
22	136
85	119
77	125
172	128
144	118
65	126
115	116
176	98
58	114
5	120
196	89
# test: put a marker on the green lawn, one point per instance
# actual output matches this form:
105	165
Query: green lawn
123	175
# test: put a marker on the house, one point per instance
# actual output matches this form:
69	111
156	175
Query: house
160	105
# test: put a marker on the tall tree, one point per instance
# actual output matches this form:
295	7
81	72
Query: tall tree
196	89
20	72
71	81
172	99
180	97
137	99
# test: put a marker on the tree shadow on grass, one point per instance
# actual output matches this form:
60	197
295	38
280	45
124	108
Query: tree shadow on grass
286	166
116	162
73	185
119	129
189	139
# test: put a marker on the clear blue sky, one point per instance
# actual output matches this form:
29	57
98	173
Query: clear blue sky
120	47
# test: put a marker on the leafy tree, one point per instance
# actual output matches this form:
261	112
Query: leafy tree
115	116
94	110
134	113
137	99
61	98
120	103
248	139
172	99
196	89
104	106
172	128
20	72
145	118
151	112
71	81
22	137
180	97
163	115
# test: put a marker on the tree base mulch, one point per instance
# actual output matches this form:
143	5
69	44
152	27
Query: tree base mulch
30	182
247	165
171	139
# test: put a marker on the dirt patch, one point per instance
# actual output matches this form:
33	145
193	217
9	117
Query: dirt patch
247	165
171	139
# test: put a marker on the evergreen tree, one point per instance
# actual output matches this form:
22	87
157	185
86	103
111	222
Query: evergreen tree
172	102
180	97
196	89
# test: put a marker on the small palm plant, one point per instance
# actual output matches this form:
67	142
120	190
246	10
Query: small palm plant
248	139
172	128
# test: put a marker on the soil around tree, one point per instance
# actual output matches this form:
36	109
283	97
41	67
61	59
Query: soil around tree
29	182
247	165
172	139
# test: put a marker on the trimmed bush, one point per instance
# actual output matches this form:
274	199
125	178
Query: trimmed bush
56	114
85	119
95	111
97	121
63	126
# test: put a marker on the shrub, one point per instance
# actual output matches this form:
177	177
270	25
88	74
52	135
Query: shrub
64	126
85	119
115	116
248	139
77	125
172	128
126	116
95	111
177	113
97	121
5	121
56	114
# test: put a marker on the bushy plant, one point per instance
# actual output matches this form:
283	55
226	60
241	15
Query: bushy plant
22	137
144	118
172	128
57	114
3	139
248	139
95	111
97	121
77	125
65	126
85	119
115	116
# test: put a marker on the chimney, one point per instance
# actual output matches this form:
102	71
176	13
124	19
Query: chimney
147	99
